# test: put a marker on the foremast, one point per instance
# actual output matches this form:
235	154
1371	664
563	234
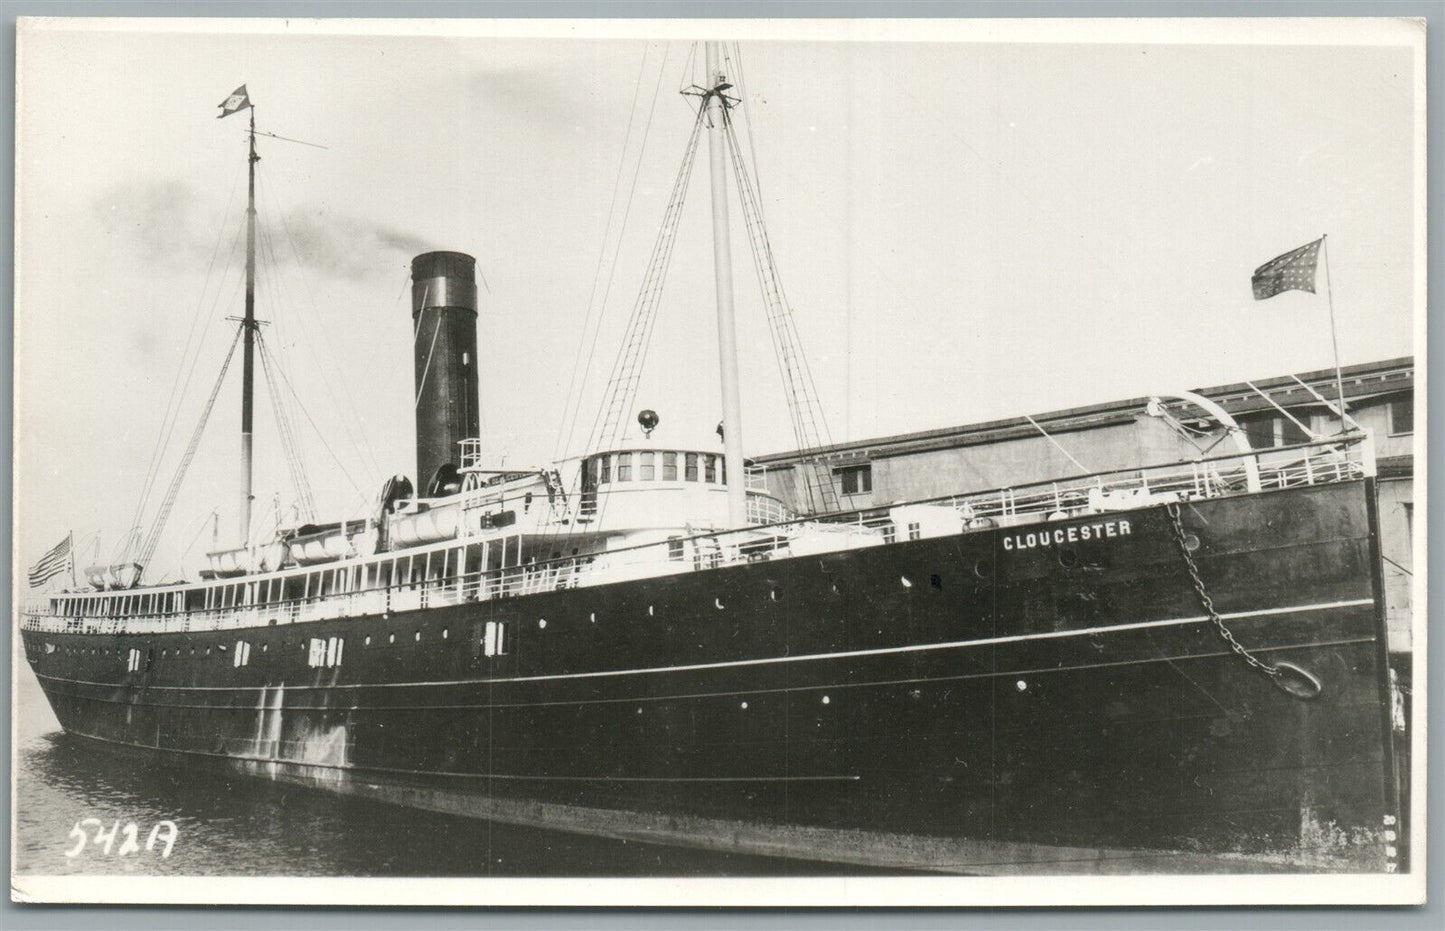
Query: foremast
248	327
727	342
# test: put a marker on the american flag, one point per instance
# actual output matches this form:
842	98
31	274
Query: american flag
53	563
1293	271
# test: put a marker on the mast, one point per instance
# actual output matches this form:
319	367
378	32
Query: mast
723	270
248	326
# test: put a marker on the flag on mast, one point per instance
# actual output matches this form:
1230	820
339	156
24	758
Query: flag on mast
56	561
1293	271
238	101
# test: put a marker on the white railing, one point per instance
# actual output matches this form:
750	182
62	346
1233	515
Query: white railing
1341	460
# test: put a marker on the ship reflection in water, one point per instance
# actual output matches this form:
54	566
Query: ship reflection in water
252	827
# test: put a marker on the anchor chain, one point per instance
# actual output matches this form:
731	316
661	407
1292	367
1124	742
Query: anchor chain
1225	634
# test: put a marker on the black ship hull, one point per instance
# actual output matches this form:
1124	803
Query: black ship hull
1042	698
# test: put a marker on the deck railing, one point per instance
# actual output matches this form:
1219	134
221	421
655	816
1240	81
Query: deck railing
1344	459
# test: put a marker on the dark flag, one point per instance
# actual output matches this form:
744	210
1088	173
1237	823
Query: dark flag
53	563
1293	271
238	101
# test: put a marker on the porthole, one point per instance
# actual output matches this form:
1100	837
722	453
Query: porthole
444	633
366	641
982	569
744	706
905	581
827	700
775	593
265	647
936	581
718	603
1191	542
541	622
592	617
1068	557
1021	685
208	651
649	611
417	637
391	638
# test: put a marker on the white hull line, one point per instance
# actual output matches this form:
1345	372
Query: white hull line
771	660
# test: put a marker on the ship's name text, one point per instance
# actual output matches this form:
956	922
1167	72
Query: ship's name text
1058	536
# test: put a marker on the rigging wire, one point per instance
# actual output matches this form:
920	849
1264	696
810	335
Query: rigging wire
809	423
435	332
570	422
191	351
626	371
158	524
347	414
287	432
268	246
366	502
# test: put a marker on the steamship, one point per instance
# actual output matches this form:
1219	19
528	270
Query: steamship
1176	668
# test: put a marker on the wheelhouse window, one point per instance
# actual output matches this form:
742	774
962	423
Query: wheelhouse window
624	467
690	467
1402	416
709	469
855	480
669	467
604	469
646	467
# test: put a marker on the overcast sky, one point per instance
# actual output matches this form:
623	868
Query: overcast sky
966	229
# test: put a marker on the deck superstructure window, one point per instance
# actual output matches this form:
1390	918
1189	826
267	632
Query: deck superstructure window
690	467
855	480
604	471
669	467
709	469
647	467
1402	416
624	467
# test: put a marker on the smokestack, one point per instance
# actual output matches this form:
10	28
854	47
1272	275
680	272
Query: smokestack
444	318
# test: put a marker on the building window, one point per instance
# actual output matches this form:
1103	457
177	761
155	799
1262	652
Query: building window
669	467
1272	430
1402	416
855	480
647	467
690	467
624	467
709	469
